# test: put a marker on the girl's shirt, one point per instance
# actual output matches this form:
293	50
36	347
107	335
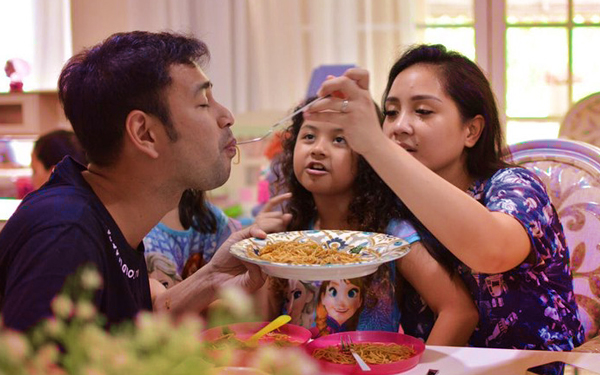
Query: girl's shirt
533	305
171	248
364	303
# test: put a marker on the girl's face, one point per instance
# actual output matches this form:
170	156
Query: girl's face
425	121
39	173
323	162
341	299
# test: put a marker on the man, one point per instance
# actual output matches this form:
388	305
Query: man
143	110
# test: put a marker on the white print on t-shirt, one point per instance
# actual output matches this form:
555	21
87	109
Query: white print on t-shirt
130	273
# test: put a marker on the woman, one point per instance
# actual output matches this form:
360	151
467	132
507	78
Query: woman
51	148
441	153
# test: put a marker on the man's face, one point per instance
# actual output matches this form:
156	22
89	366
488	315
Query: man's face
205	145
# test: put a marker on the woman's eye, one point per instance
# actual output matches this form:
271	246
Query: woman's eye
390	113
204	105
424	112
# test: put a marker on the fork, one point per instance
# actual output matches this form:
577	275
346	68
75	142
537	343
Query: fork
347	346
281	122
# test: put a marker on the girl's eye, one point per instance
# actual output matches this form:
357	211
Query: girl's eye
424	112
204	105
297	294
308	136
352	293
339	140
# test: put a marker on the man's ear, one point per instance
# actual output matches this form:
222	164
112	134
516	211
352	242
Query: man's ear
474	129
141	131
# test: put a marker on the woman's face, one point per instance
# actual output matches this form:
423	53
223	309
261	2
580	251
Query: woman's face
323	162
341	299
40	174
425	121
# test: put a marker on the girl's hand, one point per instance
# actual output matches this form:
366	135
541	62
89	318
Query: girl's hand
270	220
349	104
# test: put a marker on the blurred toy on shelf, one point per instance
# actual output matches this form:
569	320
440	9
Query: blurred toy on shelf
16	69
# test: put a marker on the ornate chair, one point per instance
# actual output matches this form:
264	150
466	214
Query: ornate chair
571	172
582	121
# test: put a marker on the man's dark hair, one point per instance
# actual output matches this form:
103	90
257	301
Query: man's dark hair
100	86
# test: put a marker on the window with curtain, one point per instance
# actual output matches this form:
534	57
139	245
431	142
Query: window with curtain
39	32
551	62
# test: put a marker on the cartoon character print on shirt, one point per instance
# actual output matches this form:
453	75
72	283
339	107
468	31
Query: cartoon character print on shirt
300	302
339	305
163	269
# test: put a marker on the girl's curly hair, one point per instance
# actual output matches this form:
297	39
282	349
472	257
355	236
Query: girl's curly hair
374	203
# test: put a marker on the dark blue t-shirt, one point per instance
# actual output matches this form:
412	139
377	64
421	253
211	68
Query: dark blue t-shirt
55	231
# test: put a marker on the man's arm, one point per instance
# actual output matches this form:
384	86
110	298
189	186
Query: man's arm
196	292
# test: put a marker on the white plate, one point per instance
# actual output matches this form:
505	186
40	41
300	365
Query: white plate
386	247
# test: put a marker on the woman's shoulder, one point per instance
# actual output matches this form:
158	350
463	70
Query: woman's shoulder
519	180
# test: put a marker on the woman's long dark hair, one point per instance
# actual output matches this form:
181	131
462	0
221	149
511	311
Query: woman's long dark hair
374	203
194	212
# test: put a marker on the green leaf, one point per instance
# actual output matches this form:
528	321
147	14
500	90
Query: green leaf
356	249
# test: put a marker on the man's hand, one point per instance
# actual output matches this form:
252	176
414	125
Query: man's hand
224	269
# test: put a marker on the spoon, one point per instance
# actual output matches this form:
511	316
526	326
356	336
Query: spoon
276	323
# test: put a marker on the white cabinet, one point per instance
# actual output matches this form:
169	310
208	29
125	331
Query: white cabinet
30	113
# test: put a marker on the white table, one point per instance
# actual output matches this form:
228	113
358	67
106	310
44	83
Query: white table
482	361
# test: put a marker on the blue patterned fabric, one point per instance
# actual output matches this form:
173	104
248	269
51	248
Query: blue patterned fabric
178	246
367	303
533	305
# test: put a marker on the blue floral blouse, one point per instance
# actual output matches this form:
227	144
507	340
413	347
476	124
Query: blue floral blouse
531	306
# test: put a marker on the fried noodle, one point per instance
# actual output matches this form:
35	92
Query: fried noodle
372	353
292	252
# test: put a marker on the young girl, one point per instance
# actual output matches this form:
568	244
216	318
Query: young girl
187	237
441	153
334	188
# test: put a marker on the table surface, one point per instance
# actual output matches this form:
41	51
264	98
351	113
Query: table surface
483	361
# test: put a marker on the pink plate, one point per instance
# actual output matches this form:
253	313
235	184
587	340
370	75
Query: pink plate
298	335
371	337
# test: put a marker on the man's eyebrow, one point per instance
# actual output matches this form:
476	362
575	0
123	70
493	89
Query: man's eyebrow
203	86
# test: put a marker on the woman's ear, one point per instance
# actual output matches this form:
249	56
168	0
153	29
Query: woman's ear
474	129
141	131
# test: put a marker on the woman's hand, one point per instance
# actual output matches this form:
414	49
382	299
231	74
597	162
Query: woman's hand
349	104
270	220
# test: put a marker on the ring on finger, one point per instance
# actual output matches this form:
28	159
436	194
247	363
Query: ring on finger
344	108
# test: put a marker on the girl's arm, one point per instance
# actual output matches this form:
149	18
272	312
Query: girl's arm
448	297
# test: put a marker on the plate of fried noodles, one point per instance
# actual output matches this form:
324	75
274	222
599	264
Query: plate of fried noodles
230	341
321	254
384	352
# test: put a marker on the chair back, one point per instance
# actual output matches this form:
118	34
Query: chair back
570	171
582	121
